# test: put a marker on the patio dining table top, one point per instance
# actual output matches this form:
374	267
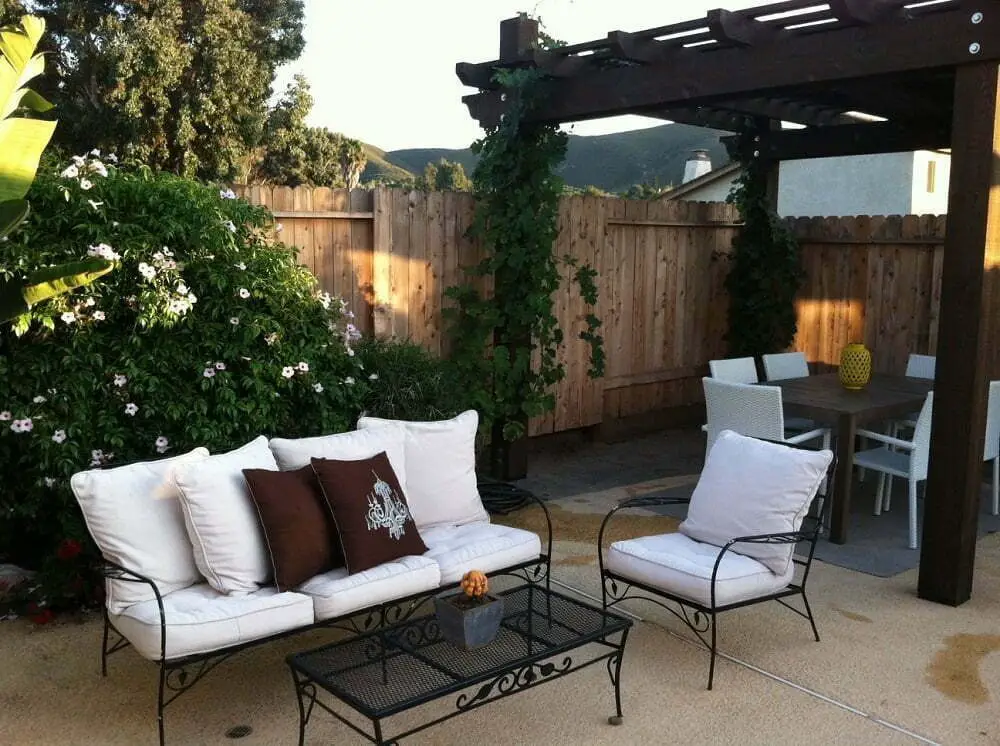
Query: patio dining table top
824	399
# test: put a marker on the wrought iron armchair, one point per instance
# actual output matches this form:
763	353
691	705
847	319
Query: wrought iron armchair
178	675
700	617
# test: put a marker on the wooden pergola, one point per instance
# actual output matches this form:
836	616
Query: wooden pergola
862	76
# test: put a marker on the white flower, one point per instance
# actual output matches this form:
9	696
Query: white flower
325	300
318	388
158	256
288	371
111	158
192	298
229	225
104	251
96	152
71	171
5	416
39	399
278	227
373	377
86	184
68	317
120	380
89	302
350	352
271	338
59	436
98	315
234	321
349	381
179	306
79	160
303	367
208	372
146	271
131	409
22	426
162	444
50	482
167	252
227	194
220	366
240	265
350	314
182	289
98	168
244	293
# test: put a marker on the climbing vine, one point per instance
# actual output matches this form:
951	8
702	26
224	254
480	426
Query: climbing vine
765	271
505	343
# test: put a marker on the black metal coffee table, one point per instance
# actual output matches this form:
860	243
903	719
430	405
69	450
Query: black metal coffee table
406	665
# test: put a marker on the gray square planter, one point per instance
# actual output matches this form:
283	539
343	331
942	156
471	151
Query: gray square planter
468	628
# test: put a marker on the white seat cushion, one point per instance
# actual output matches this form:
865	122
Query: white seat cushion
222	520
336	593
134	514
751	487
200	620
682	566
440	483
478	546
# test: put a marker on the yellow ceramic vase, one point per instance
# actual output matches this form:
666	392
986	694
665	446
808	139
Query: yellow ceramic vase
855	366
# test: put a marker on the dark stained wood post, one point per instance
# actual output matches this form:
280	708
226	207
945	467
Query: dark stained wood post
518	36
971	263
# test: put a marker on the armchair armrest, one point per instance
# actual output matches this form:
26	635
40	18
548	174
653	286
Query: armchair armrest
807	436
784	537
887	439
114	571
635	502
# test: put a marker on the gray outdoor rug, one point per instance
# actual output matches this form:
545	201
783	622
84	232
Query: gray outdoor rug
875	544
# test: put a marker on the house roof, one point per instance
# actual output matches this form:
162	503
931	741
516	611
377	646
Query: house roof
712	176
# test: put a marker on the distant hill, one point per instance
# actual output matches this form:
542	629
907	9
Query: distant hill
611	162
379	165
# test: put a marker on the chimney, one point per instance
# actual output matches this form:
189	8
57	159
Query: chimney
697	165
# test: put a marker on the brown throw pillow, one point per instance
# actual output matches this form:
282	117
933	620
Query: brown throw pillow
370	511
298	528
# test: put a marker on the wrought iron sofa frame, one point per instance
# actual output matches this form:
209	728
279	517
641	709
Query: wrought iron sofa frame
178	675
702	619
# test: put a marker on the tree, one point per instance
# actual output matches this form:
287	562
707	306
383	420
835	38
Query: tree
444	176
181	86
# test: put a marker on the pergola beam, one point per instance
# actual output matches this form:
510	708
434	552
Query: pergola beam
966	333
852	139
739	30
865	11
690	77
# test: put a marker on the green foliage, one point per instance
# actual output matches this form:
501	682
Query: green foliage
293	154
179	86
516	222
411	383
445	176
207	334
646	191
18	296
765	271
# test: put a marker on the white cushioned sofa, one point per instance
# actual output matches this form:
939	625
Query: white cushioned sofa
189	562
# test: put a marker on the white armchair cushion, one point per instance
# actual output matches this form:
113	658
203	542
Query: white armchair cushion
201	620
750	487
221	519
478	546
134	515
336	593
352	446
683	567
440	482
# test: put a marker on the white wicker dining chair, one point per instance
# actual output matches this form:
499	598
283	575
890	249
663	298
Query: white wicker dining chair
754	411
784	365
920	366
734	370
901	458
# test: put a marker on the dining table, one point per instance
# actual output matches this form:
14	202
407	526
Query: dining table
823	399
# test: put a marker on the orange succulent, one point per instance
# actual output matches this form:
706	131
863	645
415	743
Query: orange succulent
475	584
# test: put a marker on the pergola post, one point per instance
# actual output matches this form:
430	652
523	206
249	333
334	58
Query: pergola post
969	276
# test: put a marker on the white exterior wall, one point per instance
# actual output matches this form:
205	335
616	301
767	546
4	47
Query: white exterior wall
930	183
716	191
851	185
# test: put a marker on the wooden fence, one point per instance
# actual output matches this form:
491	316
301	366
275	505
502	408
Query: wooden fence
392	253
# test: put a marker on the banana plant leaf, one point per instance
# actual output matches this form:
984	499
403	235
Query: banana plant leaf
12	213
19	295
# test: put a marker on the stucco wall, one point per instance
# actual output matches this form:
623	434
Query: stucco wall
930	183
852	185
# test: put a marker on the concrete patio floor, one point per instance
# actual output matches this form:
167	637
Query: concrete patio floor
890	669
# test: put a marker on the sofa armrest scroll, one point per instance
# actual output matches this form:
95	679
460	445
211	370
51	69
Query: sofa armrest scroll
113	571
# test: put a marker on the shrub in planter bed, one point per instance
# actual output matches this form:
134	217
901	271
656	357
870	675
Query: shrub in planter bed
206	333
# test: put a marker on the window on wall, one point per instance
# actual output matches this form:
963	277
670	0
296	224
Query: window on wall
931	176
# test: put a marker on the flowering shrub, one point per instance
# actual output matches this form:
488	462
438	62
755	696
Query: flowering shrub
206	333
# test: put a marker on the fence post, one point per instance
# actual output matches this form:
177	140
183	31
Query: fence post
382	263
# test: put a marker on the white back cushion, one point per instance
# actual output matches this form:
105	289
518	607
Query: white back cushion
353	446
750	487
440	468
222	521
134	515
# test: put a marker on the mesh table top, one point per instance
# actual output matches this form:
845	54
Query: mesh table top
420	666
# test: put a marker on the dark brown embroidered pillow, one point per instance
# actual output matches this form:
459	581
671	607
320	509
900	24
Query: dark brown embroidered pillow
370	511
298	527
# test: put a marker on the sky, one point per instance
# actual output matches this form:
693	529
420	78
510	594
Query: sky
383	71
